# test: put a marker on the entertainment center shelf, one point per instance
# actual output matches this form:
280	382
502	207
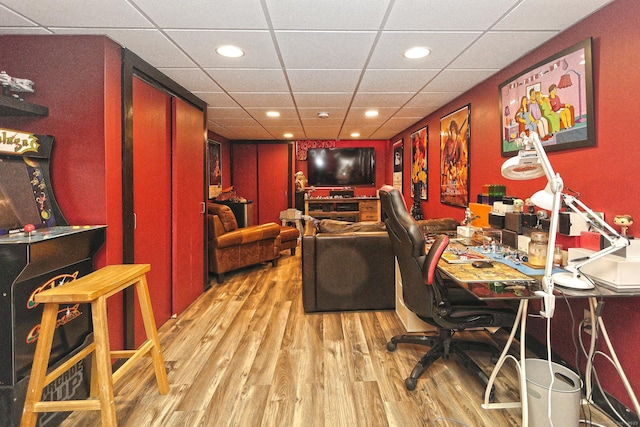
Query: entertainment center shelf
344	208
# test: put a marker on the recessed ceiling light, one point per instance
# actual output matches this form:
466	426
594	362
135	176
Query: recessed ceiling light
230	51
273	114
288	135
355	135
416	52
371	113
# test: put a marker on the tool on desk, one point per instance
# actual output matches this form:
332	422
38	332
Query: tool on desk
482	264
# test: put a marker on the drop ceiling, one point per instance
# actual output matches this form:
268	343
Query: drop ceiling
302	57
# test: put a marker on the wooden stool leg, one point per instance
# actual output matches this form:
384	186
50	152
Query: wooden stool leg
40	363
152	334
103	362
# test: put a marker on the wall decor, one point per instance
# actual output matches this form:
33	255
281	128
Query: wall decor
455	131
214	166
419	141
303	146
397	165
553	98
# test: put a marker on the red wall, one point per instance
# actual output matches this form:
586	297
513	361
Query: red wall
79	79
605	174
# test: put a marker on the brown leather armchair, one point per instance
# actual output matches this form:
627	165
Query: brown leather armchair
231	247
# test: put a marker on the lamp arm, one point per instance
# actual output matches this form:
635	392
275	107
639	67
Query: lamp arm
616	241
555	182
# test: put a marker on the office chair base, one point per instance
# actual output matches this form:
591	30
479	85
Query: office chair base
441	347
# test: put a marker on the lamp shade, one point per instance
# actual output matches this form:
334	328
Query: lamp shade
565	81
543	198
523	166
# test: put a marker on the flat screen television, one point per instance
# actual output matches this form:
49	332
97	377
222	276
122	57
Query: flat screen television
332	167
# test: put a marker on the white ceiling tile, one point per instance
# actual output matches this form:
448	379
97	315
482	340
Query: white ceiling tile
217	114
431	99
249	80
264	100
495	49
447	14
324	80
193	79
216	99
236	14
522	18
395	80
462	80
323	100
327	14
312	112
324	49
9	18
371	99
85	13
201	44
444	46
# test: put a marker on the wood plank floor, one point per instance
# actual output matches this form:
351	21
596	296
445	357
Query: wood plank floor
246	354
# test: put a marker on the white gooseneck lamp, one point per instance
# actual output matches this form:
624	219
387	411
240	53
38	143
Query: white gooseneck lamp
532	162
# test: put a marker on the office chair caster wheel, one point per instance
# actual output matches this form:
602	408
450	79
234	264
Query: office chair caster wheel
410	384
391	346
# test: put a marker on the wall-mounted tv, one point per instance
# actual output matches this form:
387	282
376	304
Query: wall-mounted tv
331	167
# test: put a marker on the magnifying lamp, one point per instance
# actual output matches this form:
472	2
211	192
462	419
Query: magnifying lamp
530	163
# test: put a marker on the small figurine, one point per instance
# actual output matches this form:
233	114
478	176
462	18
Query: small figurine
624	221
301	181
518	205
530	208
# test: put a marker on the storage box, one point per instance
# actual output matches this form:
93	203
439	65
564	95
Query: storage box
465	231
571	224
616	272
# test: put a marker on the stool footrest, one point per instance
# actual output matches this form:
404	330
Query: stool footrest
69	363
67	405
133	358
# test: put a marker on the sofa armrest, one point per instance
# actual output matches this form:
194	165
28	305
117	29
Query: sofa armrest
241	236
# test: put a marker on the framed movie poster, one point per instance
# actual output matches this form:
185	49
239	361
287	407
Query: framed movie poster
214	166
397	165
419	140
455	131
553	98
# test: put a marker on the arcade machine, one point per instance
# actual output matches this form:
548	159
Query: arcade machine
38	250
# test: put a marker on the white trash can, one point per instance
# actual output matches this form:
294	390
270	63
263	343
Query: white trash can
565	394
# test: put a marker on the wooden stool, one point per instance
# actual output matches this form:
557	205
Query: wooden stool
93	288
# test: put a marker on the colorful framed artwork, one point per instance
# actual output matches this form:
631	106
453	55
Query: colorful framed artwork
214	166
455	131
419	141
397	165
553	98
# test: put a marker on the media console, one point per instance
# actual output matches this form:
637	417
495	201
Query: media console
343	208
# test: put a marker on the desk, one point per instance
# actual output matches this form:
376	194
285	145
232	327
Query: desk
527	285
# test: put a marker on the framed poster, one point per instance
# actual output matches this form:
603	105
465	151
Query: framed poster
419	140
553	98
214	167
397	165
455	131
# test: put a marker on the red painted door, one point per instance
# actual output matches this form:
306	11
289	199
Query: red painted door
273	173
152	196
188	205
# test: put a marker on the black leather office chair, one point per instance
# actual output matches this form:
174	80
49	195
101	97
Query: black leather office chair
446	306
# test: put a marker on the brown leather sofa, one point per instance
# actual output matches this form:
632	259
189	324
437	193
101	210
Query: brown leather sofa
231	247
351	268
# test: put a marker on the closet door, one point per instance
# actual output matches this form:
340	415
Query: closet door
152	196
189	149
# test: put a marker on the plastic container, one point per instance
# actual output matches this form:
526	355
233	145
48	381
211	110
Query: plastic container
565	394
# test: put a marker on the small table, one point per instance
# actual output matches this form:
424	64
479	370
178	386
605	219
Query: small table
520	286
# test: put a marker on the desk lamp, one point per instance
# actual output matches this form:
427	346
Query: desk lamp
532	162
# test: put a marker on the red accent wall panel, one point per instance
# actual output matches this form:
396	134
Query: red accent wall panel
245	165
152	196
272	176
188	205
